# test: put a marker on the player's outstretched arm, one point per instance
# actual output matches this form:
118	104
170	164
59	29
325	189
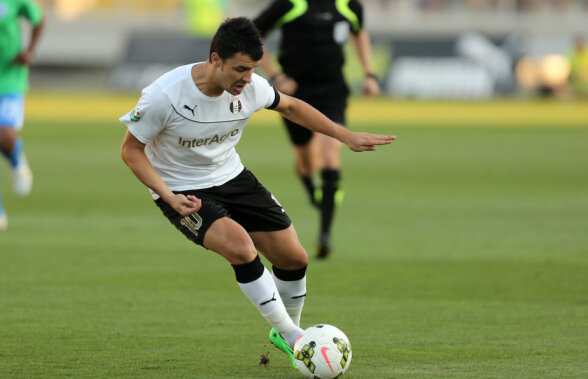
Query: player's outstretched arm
132	152
303	114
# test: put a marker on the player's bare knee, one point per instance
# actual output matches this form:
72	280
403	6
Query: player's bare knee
295	261
241	251
302	260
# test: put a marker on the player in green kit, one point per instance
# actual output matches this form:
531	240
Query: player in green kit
14	75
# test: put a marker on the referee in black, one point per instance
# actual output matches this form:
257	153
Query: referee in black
311	56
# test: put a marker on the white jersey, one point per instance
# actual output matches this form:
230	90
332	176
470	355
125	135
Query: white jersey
191	137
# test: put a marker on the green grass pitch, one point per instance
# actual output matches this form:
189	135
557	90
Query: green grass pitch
461	251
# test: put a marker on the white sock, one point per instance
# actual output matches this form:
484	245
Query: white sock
293	294
265	296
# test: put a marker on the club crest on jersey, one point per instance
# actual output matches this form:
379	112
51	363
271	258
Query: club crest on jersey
136	114
235	104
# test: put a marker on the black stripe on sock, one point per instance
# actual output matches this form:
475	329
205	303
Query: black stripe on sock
289	275
248	272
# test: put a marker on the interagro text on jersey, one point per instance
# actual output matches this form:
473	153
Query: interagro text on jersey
207	141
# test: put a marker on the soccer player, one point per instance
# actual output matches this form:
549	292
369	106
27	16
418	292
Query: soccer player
180	143
312	58
14	71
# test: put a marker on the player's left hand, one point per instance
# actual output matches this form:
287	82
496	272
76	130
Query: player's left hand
367	141
24	58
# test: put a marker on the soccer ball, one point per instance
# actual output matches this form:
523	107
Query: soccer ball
322	351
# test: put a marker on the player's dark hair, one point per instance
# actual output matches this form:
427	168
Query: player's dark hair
237	35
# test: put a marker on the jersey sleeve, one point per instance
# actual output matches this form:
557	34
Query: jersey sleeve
356	9
271	17
265	94
31	11
150	115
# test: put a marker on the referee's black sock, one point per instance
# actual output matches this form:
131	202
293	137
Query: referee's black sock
309	187
331	180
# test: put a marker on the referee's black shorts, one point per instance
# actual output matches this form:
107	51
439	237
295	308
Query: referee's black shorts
243	199
330	99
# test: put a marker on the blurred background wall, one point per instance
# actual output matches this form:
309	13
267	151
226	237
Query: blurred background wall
424	49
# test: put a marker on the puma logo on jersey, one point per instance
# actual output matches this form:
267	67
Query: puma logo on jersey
191	109
207	141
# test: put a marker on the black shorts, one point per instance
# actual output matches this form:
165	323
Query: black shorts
242	199
330	99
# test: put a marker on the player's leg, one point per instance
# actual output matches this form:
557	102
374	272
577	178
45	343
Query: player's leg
289	261
229	239
11	145
330	150
210	227
271	230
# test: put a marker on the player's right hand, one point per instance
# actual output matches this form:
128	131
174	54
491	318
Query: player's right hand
185	205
